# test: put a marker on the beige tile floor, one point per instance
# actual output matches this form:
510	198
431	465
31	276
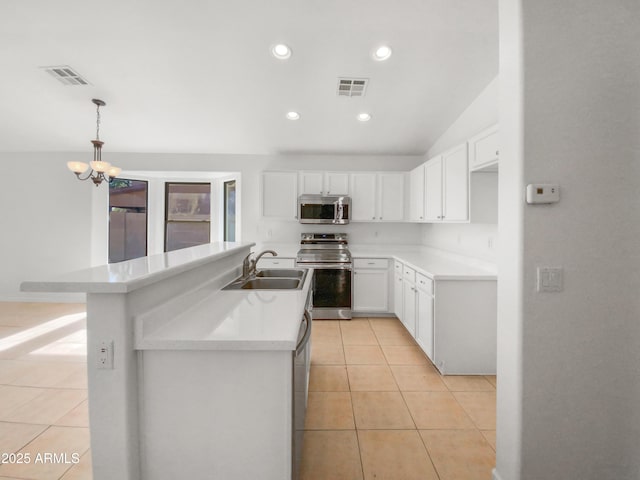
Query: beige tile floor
43	392
378	409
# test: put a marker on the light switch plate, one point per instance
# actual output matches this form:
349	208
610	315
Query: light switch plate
550	279
538	193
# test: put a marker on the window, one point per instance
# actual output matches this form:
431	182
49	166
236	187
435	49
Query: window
230	211
127	219
187	215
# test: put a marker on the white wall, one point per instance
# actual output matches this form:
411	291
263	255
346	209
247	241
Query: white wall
62	225
568	362
474	240
46	219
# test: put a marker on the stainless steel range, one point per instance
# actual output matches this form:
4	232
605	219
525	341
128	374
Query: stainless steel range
328	254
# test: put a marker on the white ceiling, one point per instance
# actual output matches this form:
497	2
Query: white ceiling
197	76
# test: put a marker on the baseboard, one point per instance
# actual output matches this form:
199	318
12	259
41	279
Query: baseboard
40	297
496	475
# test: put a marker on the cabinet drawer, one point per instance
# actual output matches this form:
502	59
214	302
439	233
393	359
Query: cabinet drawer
398	267
370	263
276	262
424	283
409	274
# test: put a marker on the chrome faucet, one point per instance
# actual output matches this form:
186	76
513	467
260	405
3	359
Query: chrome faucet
249	264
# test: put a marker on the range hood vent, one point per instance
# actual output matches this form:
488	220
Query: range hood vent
352	87
66	75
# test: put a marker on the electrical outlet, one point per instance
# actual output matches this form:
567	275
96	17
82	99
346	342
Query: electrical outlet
105	355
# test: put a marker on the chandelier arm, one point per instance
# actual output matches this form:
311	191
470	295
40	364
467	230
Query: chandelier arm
89	175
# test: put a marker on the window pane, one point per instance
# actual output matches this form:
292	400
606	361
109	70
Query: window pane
230	211
127	219
188	215
186	234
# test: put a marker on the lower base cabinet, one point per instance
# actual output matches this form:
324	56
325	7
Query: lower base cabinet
371	285
453	321
424	324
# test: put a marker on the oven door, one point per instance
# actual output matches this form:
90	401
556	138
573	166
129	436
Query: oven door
332	293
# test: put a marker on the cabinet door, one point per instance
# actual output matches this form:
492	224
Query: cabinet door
310	183
416	194
397	296
409	307
370	290
336	183
455	179
391	197
433	195
484	149
363	197
279	195
424	328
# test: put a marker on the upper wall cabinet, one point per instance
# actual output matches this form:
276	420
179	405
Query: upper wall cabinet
377	197
323	183
280	195
416	194
447	186
484	150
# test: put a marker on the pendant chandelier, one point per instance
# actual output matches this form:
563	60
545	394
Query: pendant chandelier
99	170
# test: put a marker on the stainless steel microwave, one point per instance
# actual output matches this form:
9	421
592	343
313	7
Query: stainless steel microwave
326	210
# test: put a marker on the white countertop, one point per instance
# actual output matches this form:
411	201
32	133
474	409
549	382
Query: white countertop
229	320
434	263
130	275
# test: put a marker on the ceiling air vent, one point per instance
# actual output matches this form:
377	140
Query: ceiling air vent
352	87
66	75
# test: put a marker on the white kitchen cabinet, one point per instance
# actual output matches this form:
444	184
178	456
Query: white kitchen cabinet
409	301
377	197
363	197
416	194
424	313
280	195
323	183
391	197
433	190
397	290
447	187
484	149
370	285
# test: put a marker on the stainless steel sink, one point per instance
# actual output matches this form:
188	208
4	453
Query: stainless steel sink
272	284
281	273
271	279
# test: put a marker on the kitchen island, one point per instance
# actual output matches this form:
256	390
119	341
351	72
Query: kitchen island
187	380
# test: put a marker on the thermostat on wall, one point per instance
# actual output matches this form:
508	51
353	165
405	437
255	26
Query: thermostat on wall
543	193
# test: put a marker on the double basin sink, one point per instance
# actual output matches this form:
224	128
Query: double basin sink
271	279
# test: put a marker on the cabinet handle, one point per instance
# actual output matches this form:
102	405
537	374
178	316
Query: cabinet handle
373	218
380	218
497	152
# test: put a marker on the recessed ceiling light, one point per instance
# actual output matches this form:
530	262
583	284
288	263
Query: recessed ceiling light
364	117
293	115
382	53
281	51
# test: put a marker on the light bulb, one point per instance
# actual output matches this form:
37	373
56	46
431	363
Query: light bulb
382	53
114	172
281	51
293	115
77	167
100	166
364	117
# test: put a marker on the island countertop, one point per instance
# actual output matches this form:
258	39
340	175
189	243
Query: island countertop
130	275
228	320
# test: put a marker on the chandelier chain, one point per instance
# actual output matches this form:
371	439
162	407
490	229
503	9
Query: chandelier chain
97	122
